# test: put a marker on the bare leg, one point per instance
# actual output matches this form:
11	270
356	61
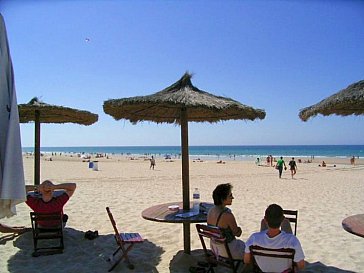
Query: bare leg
8	229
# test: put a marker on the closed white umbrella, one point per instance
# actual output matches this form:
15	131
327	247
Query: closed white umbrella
12	185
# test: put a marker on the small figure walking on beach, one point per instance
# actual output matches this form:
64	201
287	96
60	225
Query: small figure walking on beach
352	160
279	166
152	163
293	167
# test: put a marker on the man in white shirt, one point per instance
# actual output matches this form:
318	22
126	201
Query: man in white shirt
275	238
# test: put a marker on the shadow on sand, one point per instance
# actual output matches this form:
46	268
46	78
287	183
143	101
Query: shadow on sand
181	262
82	255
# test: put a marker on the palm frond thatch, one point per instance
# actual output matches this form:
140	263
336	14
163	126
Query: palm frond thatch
54	114
165	106
349	101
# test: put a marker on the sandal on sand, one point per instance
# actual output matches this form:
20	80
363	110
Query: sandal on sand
197	269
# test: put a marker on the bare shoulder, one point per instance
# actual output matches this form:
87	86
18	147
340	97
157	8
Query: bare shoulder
228	215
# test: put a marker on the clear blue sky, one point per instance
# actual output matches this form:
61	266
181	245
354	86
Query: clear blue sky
279	56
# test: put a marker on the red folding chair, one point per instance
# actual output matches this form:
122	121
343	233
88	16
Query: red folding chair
215	234
125	242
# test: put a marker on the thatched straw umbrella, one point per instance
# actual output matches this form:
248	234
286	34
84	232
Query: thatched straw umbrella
349	101
180	103
41	112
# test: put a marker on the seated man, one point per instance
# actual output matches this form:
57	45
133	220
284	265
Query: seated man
47	202
275	238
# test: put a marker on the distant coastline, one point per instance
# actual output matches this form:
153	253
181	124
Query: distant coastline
238	152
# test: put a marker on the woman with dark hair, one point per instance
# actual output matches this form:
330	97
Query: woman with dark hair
222	217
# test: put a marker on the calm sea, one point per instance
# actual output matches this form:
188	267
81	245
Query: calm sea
223	152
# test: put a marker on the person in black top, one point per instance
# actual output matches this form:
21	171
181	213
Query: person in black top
293	167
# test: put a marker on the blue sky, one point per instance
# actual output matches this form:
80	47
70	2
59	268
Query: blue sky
279	56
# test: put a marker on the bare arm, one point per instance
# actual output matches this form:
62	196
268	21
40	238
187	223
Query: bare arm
231	222
301	264
29	188
247	258
68	187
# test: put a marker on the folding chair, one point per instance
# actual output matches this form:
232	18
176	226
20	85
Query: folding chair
125	242
215	235
292	217
272	260
43	231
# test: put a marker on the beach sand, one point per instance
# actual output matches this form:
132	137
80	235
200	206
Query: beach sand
323	197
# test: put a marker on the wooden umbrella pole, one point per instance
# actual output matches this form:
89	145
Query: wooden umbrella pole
185	178
37	149
185	161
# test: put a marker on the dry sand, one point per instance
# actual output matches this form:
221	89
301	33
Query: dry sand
323	197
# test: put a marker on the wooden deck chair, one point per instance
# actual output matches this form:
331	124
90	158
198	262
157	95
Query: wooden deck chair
292	217
125	242
272	260
41	231
214	234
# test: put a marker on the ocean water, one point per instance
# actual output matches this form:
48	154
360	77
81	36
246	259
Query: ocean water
219	152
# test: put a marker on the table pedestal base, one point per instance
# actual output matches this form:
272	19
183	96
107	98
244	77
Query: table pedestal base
186	238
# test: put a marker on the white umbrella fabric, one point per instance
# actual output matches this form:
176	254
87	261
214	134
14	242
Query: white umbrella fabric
12	185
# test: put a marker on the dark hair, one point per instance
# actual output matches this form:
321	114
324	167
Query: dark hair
221	192
274	215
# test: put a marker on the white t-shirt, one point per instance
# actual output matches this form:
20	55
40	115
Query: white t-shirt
282	240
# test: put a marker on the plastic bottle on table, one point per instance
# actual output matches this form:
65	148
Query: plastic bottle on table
196	200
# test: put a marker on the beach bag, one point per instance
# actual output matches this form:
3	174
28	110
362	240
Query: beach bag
277	167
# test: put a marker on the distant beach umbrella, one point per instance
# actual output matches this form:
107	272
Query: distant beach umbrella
349	101
180	103
41	112
12	185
